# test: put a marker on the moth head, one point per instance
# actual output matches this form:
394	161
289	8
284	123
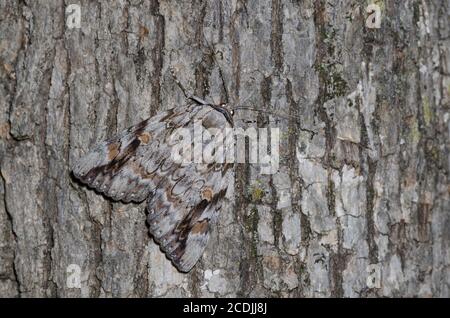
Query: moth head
227	111
223	108
227	107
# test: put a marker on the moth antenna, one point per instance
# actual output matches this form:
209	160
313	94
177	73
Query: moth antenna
267	112
177	81
223	83
191	97
250	95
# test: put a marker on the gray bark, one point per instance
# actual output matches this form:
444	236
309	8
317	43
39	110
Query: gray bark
363	183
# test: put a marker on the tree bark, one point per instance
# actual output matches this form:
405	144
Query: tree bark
358	208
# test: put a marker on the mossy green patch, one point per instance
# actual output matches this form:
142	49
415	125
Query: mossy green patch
257	191
330	68
414	132
380	3
427	111
448	90
257	194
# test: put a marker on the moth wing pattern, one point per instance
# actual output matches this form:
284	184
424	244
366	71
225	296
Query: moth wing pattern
181	216
120	168
183	200
185	206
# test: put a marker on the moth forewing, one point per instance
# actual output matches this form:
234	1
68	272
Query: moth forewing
213	151
181	146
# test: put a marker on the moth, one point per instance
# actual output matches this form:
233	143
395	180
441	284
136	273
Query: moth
183	200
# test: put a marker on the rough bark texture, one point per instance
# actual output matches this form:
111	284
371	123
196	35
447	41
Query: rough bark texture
363	179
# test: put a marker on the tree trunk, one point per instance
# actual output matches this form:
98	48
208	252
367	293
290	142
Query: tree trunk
358	208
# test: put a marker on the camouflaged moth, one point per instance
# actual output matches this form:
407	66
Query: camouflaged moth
183	200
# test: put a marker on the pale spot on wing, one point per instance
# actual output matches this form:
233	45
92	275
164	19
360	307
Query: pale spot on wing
144	137
207	194
113	150
200	227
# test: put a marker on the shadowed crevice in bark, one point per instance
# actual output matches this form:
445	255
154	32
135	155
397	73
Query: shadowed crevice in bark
157	56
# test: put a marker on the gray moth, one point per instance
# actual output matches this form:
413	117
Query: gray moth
183	200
